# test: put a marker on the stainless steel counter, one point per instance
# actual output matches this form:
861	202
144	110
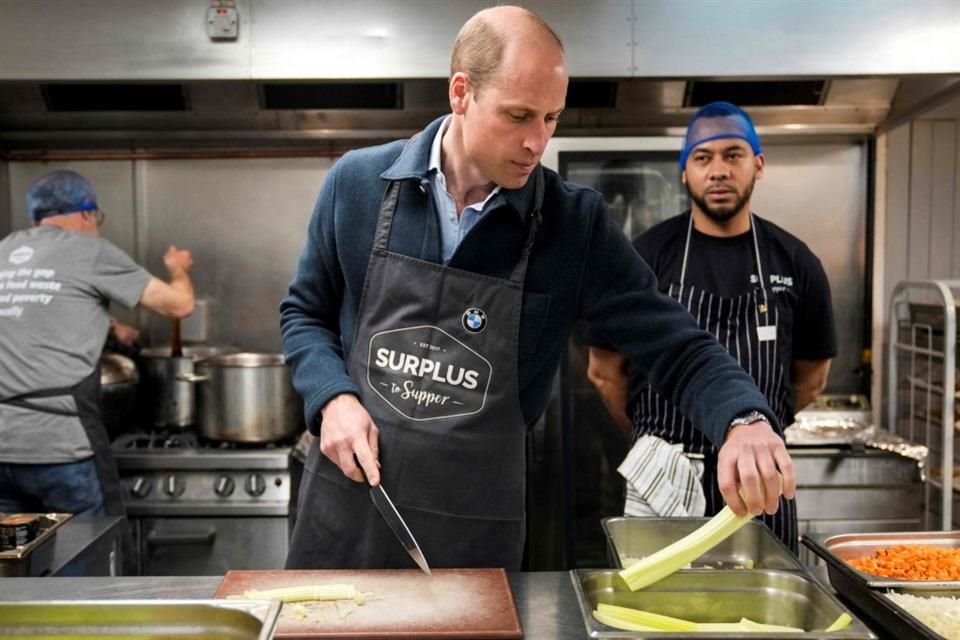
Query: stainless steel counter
87	546
546	602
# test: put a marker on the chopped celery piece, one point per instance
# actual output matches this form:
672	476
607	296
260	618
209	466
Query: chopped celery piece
308	592
750	625
620	623
646	618
841	622
672	557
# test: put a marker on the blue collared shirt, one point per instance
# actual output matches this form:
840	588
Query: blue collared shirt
452	227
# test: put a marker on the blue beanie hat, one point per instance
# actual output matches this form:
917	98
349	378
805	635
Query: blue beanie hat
60	192
715	121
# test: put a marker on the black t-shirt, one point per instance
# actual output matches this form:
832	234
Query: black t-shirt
727	267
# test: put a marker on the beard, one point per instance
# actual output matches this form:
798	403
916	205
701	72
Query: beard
722	213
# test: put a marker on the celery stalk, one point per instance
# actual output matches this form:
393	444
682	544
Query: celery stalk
620	623
308	592
674	556
646	618
841	622
750	625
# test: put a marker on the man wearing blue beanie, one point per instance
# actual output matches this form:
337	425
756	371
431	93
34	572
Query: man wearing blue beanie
754	286
56	280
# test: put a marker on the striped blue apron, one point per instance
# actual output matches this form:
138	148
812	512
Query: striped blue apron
746	326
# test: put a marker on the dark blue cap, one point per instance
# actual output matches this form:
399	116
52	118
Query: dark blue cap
715	121
60	192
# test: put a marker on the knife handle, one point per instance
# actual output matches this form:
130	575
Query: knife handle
356	461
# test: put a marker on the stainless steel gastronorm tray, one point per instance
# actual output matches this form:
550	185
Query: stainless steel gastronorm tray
846	547
718	595
33	558
865	593
752	546
141	619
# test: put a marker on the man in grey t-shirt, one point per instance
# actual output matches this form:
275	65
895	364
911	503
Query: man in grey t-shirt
56	280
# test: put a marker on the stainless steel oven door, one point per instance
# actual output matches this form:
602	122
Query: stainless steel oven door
178	546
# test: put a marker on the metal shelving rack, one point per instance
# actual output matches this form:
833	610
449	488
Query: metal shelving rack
922	361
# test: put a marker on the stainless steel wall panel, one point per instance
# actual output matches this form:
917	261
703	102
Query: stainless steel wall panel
817	191
412	39
774	38
895	250
117	40
145	39
942	187
918	231
245	222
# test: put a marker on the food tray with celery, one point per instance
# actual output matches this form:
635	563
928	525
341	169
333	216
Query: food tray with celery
752	546
714	603
722	603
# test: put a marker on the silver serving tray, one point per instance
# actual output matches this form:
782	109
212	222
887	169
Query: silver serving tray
855	586
824	430
33	558
849	546
142	619
752	546
705	595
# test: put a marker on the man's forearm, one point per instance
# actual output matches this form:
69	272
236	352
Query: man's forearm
607	371
181	281
809	380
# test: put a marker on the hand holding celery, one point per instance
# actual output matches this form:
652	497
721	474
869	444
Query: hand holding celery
674	556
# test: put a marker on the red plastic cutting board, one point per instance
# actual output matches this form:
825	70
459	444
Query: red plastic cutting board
402	603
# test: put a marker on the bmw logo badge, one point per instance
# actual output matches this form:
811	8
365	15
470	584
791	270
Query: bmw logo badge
474	320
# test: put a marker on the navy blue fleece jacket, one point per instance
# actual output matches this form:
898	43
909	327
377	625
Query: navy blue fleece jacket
581	267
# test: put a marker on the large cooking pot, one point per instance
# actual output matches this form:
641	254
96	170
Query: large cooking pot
118	392
246	397
166	400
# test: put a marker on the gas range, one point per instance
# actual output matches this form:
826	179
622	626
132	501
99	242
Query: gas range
177	473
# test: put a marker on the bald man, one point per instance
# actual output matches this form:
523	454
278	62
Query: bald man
432	304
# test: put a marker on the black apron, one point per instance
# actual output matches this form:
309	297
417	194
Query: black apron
435	358
86	397
746	326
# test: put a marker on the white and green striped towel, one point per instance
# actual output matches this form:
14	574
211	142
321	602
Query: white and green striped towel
661	480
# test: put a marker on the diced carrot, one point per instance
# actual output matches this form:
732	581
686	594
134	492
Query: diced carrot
912	562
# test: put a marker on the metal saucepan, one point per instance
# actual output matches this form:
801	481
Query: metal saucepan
246	397
118	392
166	400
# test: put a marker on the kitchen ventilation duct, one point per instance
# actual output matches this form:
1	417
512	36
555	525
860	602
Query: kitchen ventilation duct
776	93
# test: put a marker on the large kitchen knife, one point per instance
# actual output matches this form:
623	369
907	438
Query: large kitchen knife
389	512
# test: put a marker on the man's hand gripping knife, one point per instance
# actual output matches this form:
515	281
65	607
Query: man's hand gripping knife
348	436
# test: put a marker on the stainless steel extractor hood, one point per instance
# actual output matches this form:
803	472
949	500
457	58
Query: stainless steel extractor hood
315	75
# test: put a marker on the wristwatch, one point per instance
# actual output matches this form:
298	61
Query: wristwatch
749	418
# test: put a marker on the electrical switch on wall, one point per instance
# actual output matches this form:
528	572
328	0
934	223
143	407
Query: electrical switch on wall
223	21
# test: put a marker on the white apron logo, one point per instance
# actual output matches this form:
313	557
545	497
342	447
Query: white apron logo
424	373
474	320
21	254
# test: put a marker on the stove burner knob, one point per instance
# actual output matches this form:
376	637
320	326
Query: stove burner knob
256	485
140	488
224	486
174	486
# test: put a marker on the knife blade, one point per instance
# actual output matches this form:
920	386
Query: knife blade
384	505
